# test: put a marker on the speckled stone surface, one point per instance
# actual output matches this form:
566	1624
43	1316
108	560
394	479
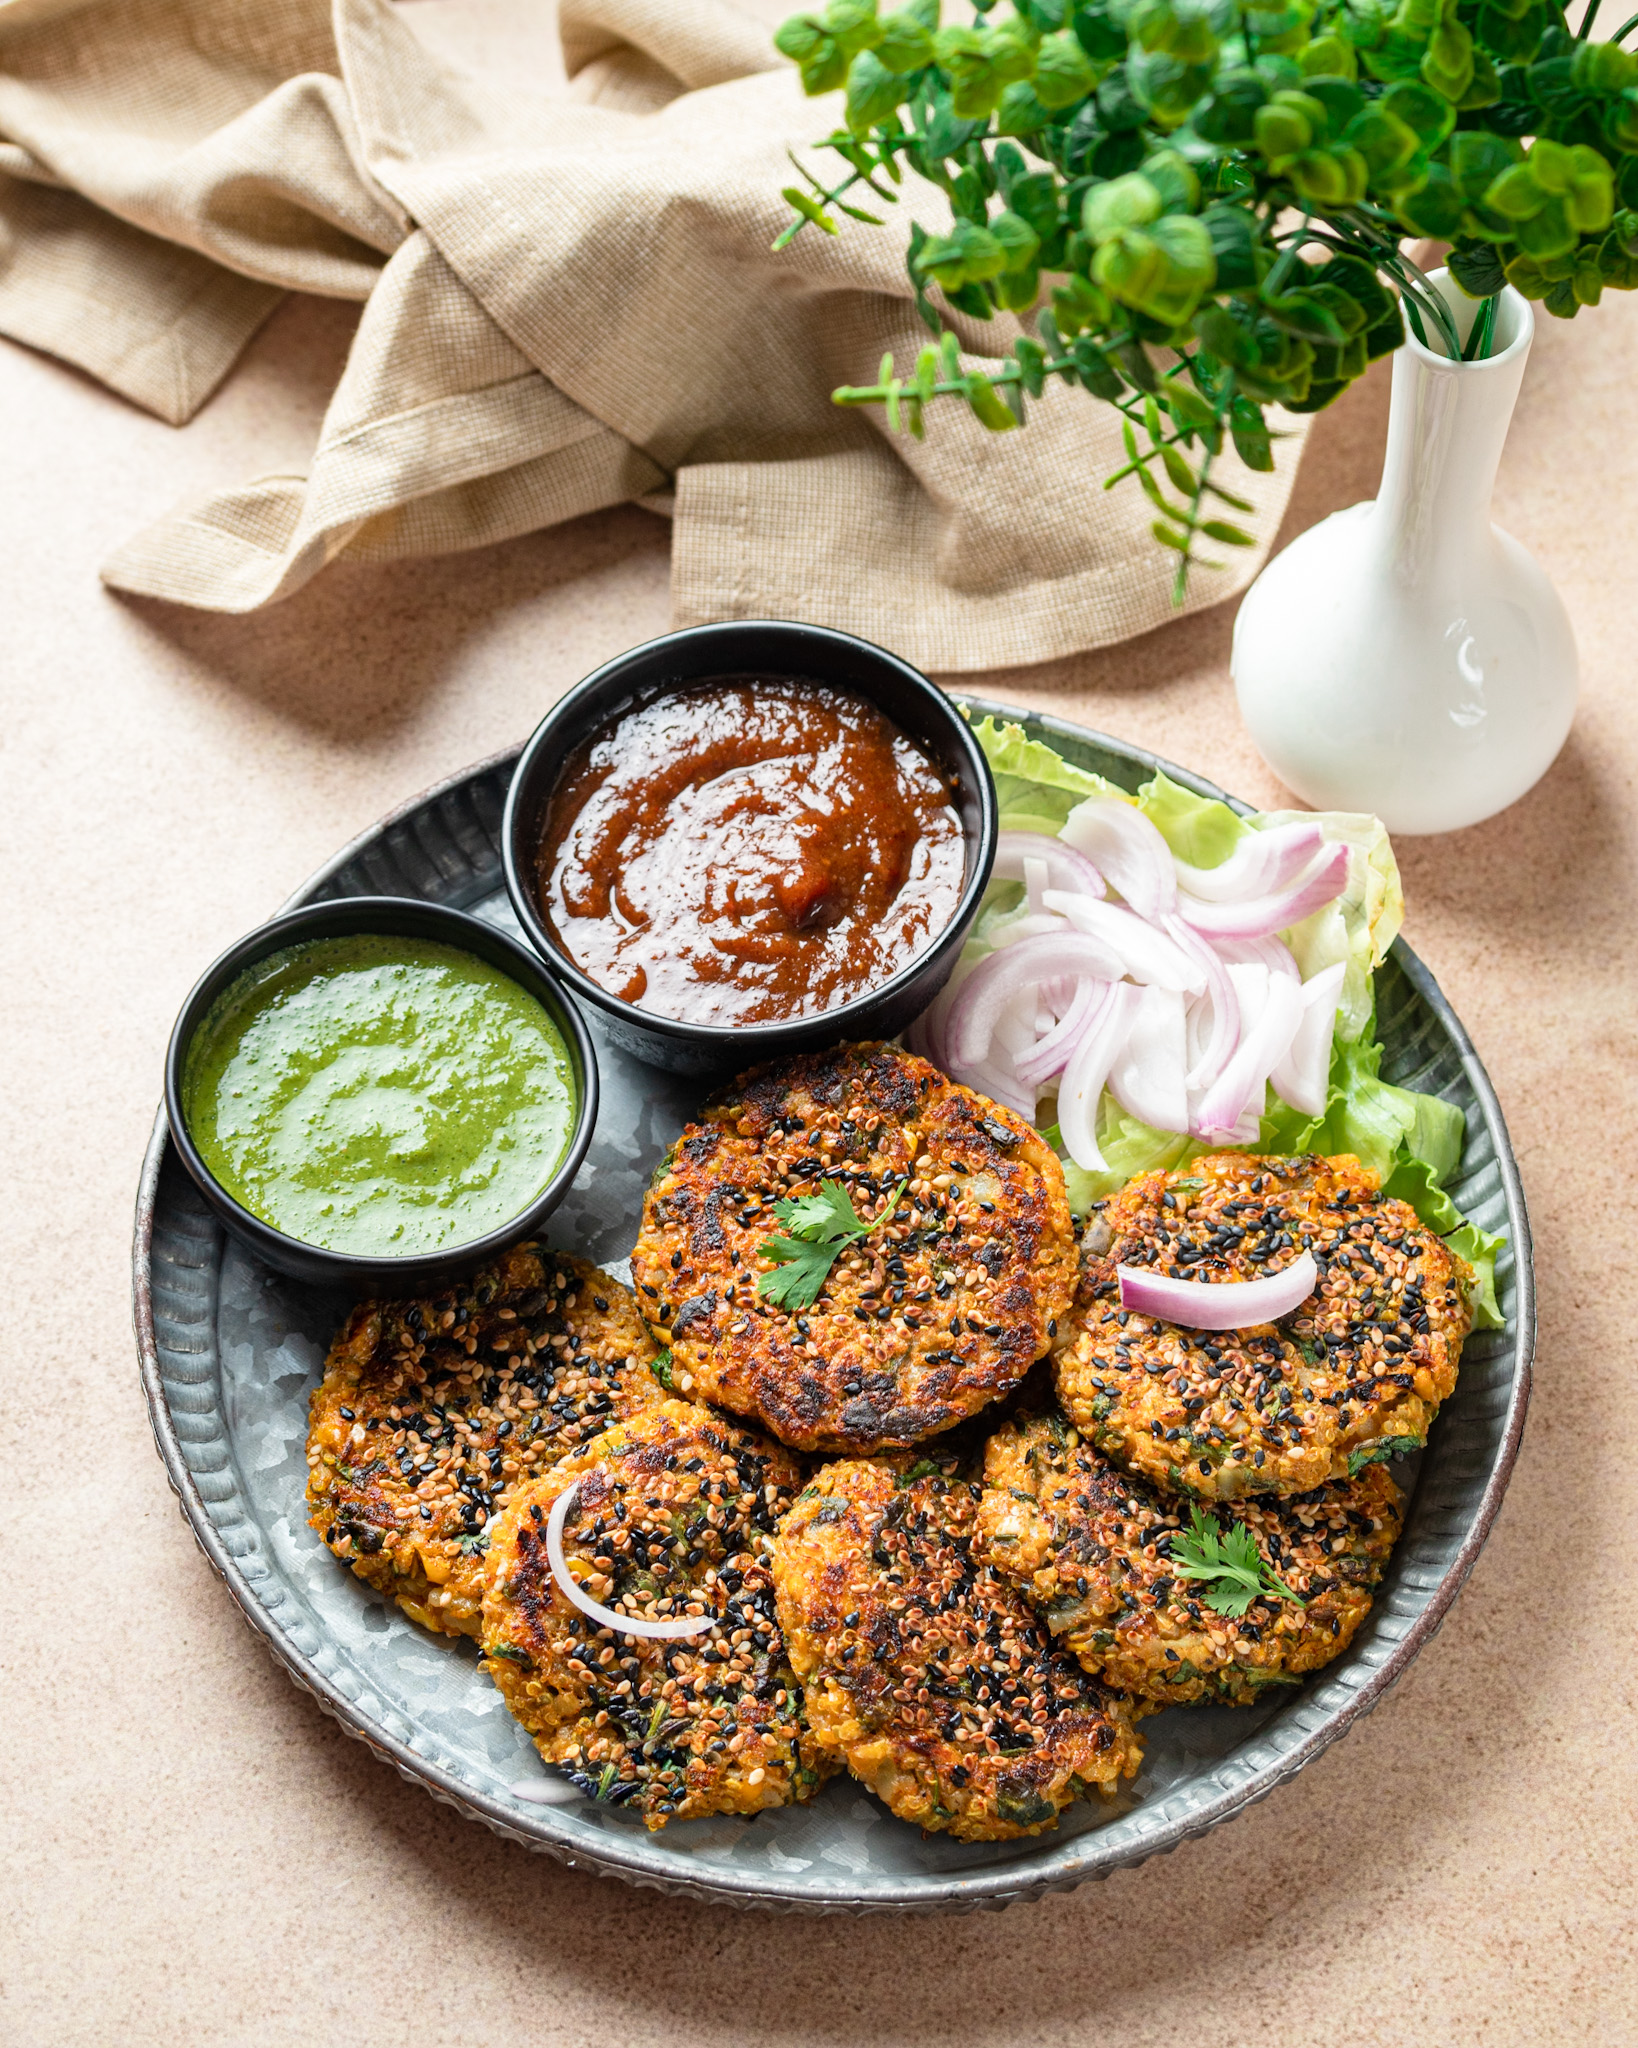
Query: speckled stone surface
191	1851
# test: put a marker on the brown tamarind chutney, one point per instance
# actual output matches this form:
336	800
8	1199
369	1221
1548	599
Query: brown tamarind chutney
748	850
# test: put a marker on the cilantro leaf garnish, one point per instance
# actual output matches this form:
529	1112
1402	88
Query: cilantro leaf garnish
1231	1561
820	1227
799	1271
827	1213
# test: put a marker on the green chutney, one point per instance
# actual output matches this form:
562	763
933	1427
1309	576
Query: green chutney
377	1095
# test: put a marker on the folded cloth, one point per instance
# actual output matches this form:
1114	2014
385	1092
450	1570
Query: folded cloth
570	300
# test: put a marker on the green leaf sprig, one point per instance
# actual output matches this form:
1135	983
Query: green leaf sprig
1198	205
820	1227
1230	1563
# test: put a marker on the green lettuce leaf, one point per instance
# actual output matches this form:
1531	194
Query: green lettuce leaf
1411	1141
1366	1115
1130	1147
1414	1181
1038	789
1363	922
1035	787
1357	929
1198	829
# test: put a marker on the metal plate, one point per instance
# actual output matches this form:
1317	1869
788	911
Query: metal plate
229	1352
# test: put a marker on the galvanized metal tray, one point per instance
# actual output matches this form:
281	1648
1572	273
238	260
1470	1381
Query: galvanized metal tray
230	1350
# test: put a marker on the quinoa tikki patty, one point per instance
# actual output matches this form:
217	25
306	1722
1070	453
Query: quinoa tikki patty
940	1310
431	1411
1356	1372
926	1672
1090	1547
675	1515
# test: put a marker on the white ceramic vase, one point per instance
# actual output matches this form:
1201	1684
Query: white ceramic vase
1405	656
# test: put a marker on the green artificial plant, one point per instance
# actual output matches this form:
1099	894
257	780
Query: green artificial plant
1210	198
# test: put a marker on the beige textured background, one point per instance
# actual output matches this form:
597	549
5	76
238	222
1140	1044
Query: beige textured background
190	1851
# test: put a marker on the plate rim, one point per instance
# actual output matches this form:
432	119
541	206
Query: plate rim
954	1892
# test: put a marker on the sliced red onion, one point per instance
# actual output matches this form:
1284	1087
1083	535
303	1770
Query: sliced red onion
1215	1018
1088	1070
608	1617
1197	1025
1274	954
1219	1008
1221	1304
1052	1050
1016	1030
1066	869
1303	1077
929	1027
1261	864
1147	1078
1024	924
1317	885
1017	1033
1147	954
1270	1009
1127	850
993	983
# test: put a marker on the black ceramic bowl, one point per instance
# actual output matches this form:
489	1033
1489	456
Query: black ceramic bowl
395	916
756	647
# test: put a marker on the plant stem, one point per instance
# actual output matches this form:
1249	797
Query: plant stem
831	196
1288	255
1423	294
1484	328
1360	237
1180	584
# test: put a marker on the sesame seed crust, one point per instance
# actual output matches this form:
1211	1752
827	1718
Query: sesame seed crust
926	1672
430	1411
1357	1372
675	1515
1089	1545
940	1311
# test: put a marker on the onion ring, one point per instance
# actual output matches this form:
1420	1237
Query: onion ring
1222	1304
1128	850
1066	868
1262	863
1261	916
997	978
608	1617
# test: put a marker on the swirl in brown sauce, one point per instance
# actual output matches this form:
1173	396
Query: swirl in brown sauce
749	850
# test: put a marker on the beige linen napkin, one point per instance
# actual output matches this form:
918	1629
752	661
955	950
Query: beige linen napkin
569	301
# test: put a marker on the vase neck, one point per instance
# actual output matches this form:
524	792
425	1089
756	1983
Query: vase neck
1446	428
